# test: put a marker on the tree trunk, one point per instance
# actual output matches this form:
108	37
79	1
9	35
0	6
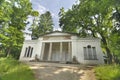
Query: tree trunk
108	52
109	55
9	51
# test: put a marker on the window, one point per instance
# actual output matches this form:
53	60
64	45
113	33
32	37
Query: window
31	52
90	53
94	53
28	51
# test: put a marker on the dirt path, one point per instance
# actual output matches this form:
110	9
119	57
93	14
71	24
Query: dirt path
57	71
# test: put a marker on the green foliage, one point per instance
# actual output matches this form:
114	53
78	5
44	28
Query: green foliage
13	20
43	25
11	69
108	72
35	13
2	54
93	17
114	41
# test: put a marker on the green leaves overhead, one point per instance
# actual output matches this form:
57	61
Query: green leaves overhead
13	20
93	17
45	24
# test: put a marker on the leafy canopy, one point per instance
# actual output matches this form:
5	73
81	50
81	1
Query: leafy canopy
13	20
93	17
42	25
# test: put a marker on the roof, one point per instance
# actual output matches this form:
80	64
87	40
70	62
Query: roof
59	32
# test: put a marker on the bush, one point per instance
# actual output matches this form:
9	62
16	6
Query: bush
11	69
108	72
2	54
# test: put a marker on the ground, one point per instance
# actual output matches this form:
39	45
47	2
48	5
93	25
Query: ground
57	71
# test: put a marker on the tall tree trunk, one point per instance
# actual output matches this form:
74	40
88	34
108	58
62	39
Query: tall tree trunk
9	51
109	55
108	52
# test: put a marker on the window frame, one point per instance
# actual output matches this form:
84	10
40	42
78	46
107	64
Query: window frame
28	52
90	53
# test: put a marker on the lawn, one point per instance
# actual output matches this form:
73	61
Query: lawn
108	72
11	69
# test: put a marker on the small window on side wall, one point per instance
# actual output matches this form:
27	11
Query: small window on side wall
28	51
90	53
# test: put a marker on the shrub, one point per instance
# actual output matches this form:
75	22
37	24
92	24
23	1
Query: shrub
108	72
11	69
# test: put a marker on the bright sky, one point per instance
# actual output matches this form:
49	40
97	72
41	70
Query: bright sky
53	6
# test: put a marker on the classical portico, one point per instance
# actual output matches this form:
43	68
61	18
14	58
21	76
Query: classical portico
63	47
56	51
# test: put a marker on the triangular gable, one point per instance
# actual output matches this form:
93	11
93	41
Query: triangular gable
59	33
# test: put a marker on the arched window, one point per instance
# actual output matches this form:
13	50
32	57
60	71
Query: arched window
90	53
28	51
29	48
31	51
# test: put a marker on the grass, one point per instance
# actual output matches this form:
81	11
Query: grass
108	72
11	69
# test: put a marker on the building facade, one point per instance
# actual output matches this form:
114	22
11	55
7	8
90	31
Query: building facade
63	47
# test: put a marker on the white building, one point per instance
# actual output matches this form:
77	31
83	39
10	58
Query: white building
63	47
27	35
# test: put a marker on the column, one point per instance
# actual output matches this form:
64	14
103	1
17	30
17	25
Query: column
69	50
50	52
61	51
42	51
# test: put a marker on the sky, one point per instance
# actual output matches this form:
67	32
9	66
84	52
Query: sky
53	6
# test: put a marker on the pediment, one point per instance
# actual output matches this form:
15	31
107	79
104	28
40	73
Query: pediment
58	33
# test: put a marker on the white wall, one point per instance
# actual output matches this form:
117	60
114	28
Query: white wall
80	53
28	43
38	49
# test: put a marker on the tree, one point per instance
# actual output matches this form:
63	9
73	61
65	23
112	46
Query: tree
91	17
114	45
13	16
114	39
45	24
